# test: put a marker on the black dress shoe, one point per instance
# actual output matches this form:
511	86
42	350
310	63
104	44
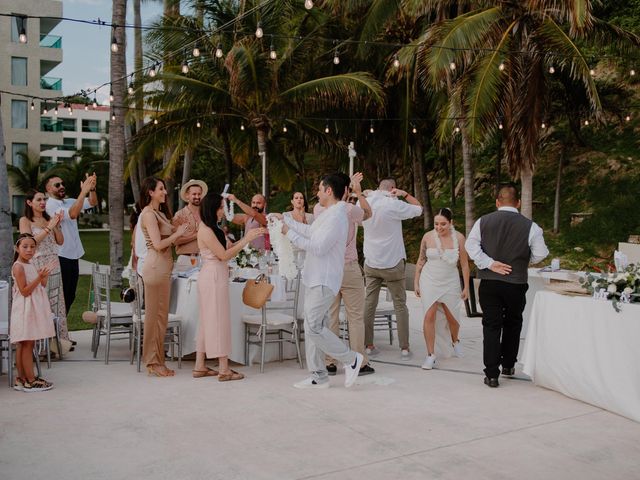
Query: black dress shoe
332	369
491	382
366	370
509	372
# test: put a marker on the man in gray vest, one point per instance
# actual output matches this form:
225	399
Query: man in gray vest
502	244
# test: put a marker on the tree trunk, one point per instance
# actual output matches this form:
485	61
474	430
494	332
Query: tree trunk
424	193
228	156
262	152
131	164
117	146
168	180
469	181
186	171
498	164
6	230
452	173
556	203
139	95
526	197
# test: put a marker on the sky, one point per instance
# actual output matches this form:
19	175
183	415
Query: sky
85	48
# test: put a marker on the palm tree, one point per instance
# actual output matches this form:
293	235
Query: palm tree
30	174
6	230
117	146
507	53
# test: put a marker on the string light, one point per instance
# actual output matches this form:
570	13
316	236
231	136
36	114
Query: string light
219	52
55	110
284	128
114	41
396	61
371	129
86	106
46	108
198	124
95	101
113	115
69	109
152	71
272	51
586	123
185	66
552	70
308	4
155	121
627	118
632	72
130	89
196	51
543	126
336	57
110	96
452	66
501	67
22	37
33	105
500	125
259	31
242	127
457	129
592	72
326	128
414	129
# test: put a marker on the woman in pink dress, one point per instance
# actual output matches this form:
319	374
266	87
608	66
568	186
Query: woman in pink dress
31	315
213	339
48	236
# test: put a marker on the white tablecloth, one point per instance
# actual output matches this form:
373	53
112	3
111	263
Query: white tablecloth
582	348
184	302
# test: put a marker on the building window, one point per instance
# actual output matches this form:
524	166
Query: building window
17	159
19	71
91	144
68	124
18	23
19	114
92	126
69	144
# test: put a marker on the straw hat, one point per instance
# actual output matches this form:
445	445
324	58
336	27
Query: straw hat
191	183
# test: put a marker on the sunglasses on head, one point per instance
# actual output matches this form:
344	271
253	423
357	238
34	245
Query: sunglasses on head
58	184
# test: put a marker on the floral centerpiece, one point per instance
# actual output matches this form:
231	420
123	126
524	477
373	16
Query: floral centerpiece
619	287
247	257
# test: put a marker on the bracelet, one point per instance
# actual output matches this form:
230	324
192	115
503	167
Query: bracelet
47	229
92	190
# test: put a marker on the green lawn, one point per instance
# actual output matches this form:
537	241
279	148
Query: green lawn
96	246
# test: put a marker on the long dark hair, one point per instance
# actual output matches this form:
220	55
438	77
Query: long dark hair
149	184
28	209
208	214
446	213
304	198
19	240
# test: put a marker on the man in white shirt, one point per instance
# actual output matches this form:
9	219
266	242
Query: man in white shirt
325	242
385	257
71	250
502	244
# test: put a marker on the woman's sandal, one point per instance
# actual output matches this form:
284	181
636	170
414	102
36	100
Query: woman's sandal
159	371
232	375
209	372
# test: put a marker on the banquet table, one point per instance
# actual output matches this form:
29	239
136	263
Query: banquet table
184	302
584	349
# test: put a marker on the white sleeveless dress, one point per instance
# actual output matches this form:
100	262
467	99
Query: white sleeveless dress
440	282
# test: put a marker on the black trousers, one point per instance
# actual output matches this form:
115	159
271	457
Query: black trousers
69	272
502	306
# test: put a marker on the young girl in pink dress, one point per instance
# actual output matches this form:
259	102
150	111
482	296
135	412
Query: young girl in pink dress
31	315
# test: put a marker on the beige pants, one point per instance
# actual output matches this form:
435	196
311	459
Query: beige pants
352	294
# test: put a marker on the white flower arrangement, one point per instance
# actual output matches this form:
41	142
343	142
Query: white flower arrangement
282	247
248	256
620	287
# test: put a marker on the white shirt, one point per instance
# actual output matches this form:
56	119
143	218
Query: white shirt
539	250
383	242
325	242
72	246
140	246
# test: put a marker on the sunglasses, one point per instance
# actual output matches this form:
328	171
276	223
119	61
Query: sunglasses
58	184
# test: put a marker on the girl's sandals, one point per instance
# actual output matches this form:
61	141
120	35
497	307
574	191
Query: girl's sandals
37	385
160	371
209	372
232	375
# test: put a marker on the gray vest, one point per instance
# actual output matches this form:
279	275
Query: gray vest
504	236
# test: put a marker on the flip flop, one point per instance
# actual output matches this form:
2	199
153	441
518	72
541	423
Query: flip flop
209	372
232	375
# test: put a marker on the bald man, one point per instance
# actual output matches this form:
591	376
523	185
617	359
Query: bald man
254	216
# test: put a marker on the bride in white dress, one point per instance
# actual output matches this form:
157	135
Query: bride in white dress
437	282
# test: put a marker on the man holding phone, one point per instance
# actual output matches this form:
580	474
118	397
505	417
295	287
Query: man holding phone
71	250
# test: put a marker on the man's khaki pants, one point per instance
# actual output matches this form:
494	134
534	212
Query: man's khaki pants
352	295
394	277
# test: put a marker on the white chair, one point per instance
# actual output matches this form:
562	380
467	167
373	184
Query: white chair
274	320
113	318
385	314
54	288
173	337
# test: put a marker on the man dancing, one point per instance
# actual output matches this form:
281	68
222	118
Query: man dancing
325	242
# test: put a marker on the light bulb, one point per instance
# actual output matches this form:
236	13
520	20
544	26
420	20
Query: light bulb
284	129
45	110
457	129
272	53
155	121
130	89
95	103
259	31
55	110
326	128
396	61
33	105
552	70
152	71
592	72
586	123
111	96
543	126
219	52
371	129
500	126
242	127
308	4
336	58
22	38
185	67
627	118
70	110
114	44
632	72
196	51
113	116
198	124
86	107
501	67
452	66
414	130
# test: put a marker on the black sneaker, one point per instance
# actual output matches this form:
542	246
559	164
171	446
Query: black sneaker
332	369
508	372
37	385
366	370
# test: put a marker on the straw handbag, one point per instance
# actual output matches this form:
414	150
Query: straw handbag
257	292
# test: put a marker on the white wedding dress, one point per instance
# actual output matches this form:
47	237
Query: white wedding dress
440	282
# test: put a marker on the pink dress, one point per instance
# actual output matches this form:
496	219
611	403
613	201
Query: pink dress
31	317
47	254
214	329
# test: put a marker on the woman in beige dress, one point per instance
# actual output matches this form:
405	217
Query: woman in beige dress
213	339
48	236
159	236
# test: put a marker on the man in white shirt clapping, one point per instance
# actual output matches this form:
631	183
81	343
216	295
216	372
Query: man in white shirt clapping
325	242
385	257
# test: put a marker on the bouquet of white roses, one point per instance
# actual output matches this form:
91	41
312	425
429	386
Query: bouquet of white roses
247	257
619	287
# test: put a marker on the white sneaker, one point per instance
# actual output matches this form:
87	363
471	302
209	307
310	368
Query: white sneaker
405	355
429	362
372	352
457	349
351	371
310	382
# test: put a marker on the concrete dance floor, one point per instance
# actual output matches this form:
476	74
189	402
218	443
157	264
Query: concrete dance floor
109	422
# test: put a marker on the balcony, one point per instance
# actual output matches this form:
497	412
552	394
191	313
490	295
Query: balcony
51	83
50	41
